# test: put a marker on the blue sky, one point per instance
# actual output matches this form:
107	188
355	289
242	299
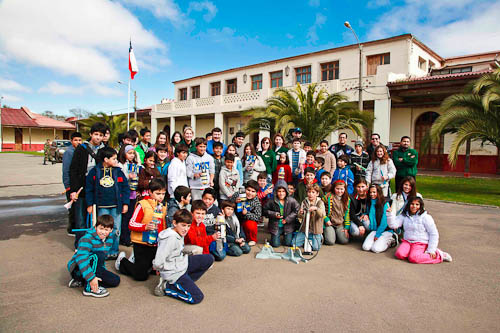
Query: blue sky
62	54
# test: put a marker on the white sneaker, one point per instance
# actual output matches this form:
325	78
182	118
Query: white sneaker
251	243
119	260
160	287
132	258
446	256
101	292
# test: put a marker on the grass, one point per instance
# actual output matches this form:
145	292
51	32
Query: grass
36	153
484	191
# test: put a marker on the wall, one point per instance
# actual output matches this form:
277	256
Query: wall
415	51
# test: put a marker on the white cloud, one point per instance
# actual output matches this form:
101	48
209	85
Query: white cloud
312	34
72	37
204	5
450	27
314	3
161	9
55	88
10	85
9	98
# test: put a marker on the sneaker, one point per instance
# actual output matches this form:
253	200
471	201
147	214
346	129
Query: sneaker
132	258
101	292
160	287
113	256
446	256
394	240
75	284
251	243
71	234
119	260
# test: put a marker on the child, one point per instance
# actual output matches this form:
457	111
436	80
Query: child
326	182
343	172
107	188
380	237
297	158
87	266
406	190
381	169
218	147
337	205
314	206
145	143
180	200
318	166
162	161
265	190
282	213
420	242
307	147
283	170
197	235
310	156
178	272
231	149
330	161
309	179
148	172
177	169
213	210
268	156
252	211
148	220
200	169
291	190
360	221
128	162
359	160
236	245
229	178
252	163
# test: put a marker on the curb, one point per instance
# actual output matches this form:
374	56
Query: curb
462	203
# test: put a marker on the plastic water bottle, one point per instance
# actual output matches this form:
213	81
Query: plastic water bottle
281	173
243	197
157	215
220	226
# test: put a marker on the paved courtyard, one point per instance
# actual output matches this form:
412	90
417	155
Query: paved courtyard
342	289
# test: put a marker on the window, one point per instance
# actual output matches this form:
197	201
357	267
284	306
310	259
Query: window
215	89
231	86
461	70
374	61
195	92
330	71
422	63
256	82
183	94
276	79
303	74
451	70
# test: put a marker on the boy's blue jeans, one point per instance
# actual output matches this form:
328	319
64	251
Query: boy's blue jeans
275	239
314	239
80	208
117	216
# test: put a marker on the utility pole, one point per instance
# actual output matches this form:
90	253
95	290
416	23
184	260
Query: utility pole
135	105
360	88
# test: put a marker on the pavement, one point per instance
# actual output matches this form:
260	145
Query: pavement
342	289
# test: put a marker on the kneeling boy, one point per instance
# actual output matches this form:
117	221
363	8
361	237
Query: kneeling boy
235	236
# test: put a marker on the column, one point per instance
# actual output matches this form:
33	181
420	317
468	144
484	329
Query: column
193	125
219	121
382	122
154	127
172	125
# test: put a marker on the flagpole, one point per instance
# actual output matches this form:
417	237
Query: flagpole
128	105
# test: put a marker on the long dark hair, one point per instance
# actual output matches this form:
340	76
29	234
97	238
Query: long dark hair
148	155
345	196
252	148
167	143
380	195
122	158
406	210
360	180
411	180
172	138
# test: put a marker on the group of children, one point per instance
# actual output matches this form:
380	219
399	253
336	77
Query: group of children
189	210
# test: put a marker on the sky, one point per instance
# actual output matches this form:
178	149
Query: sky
62	54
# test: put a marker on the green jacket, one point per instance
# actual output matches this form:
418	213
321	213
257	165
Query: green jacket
269	159
407	166
192	146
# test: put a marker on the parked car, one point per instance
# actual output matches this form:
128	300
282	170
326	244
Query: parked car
57	149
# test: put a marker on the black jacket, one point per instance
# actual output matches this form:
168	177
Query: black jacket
358	207
78	168
290	211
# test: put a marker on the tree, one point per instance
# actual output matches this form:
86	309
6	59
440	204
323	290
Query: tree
316	112
80	113
52	115
117	124
473	115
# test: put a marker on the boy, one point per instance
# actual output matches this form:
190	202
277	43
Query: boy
213	210
297	157
107	189
291	190
148	220
76	140
252	211
310	156
318	166
177	174
217	155
178	271
344	173
282	213
359	160
265	190
200	169
162	161
87	266
316	208
309	179
84	159
326	182
197	237
145	143
180	200
229	178
235	236
307	147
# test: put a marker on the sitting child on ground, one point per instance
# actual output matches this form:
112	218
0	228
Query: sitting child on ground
178	271
181	200
87	266
315	207
236	245
251	212
208	197
380	237
337	205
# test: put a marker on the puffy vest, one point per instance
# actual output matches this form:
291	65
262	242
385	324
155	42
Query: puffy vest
148	211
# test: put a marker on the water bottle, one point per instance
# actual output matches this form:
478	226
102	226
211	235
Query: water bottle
204	175
220	226
134	181
157	215
243	197
281	173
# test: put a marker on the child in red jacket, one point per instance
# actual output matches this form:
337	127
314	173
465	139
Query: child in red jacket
283	170
197	241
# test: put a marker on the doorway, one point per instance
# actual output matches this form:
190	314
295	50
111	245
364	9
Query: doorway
18	143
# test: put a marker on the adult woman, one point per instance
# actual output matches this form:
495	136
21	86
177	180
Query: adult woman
269	158
162	139
381	169
188	139
252	163
231	149
279	147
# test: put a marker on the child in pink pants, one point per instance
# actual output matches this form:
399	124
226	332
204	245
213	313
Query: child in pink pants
421	236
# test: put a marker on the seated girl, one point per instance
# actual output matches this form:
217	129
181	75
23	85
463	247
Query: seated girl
406	190
380	237
337	209
315	207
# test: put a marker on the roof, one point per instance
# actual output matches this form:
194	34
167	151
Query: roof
335	49
444	77
491	53
23	117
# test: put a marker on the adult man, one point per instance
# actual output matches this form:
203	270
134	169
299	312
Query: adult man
405	160
216	137
76	140
238	139
330	161
143	146
341	148
46	153
375	142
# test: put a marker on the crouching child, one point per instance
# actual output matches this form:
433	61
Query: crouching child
197	241
316	208
235	237
178	271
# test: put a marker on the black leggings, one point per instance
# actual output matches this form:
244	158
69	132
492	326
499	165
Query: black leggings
139	270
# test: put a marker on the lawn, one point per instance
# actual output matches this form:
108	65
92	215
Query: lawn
37	153
470	190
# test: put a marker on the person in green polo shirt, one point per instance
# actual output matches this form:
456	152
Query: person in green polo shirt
405	160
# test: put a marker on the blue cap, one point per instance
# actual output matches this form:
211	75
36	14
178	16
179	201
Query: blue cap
297	130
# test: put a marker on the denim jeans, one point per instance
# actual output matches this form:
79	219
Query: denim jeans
235	250
275	239
314	239
80	209
117	216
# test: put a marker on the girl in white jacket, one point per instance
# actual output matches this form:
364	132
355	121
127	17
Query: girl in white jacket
420	242
252	163
407	189
381	169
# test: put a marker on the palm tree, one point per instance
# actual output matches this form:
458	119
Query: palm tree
117	124
316	112
472	116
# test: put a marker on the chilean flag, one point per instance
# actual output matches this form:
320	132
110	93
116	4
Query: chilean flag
132	64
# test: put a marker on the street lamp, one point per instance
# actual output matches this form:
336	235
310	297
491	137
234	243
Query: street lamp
360	102
128	103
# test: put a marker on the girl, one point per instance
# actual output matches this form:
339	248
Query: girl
279	147
421	237
379	238
283	167
269	157
176	139
381	169
188	139
162	161
128	162
252	163
358	208
406	190
148	172
231	149
337	205
162	139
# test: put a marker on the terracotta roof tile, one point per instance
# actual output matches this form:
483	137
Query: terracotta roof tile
438	77
23	117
